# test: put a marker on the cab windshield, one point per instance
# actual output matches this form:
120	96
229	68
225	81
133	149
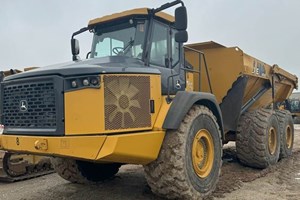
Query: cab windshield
125	39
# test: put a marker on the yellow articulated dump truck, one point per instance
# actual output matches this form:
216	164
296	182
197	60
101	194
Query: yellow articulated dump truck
14	167
143	97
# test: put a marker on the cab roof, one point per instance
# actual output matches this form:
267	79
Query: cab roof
130	13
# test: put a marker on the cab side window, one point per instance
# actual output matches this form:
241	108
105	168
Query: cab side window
159	47
174	49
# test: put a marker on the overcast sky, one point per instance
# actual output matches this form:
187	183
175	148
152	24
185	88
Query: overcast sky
37	33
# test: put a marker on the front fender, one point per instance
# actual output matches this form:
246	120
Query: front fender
183	102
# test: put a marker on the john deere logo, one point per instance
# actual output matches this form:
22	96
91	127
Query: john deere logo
123	93
23	105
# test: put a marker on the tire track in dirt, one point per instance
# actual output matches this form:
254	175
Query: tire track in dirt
284	176
234	175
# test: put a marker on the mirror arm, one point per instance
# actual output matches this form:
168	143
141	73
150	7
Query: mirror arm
88	54
80	31
167	5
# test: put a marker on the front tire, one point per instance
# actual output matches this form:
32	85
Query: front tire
190	159
84	172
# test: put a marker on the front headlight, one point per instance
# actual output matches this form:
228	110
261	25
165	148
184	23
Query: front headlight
86	82
82	82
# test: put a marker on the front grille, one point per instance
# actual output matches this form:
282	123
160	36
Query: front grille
127	102
29	105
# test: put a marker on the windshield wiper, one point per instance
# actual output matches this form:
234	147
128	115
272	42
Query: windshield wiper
128	46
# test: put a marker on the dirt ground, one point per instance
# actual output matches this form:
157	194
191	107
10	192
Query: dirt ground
281	181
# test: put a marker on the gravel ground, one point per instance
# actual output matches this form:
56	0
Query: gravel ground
281	181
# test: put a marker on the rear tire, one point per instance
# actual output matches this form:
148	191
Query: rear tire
286	126
190	159
258	138
83	172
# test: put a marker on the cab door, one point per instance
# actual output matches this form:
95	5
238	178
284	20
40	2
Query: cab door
164	55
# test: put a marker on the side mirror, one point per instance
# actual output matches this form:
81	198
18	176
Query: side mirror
181	24
181	18
181	36
75	49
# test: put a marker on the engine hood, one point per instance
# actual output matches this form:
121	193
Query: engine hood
105	65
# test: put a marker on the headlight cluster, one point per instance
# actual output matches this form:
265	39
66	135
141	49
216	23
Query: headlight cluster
77	83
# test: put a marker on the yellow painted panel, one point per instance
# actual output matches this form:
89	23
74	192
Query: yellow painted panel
165	16
134	148
252	66
84	111
138	11
253	86
162	114
84	147
138	148
127	13
224	67
189	82
155	85
283	89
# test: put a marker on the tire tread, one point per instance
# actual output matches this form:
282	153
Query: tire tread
251	146
166	176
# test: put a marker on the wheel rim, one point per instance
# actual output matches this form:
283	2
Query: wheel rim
272	140
203	153
289	137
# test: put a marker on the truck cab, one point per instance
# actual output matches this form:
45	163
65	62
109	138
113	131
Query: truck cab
142	38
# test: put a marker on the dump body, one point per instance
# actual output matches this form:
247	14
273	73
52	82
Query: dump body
239	82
